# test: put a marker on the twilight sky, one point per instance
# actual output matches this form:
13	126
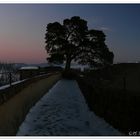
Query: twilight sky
23	27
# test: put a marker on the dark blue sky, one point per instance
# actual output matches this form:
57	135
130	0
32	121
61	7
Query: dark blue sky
22	28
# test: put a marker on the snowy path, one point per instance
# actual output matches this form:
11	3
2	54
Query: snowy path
63	111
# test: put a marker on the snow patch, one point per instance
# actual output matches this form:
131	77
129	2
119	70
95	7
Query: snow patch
14	83
29	68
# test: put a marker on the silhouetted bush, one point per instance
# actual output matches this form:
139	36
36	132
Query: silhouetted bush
71	74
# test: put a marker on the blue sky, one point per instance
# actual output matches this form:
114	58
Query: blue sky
22	28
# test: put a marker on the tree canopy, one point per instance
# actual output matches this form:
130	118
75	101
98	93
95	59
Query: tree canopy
73	41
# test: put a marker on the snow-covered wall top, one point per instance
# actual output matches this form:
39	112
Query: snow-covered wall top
8	91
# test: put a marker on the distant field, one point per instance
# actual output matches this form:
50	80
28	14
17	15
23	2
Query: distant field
114	94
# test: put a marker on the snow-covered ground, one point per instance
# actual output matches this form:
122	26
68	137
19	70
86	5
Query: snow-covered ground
29	68
63	111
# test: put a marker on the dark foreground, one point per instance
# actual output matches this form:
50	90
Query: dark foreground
114	94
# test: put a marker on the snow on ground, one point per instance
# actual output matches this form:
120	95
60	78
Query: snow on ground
29	68
63	111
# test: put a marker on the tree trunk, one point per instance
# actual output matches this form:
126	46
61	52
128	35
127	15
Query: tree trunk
68	63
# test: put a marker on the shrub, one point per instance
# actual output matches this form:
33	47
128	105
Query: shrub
71	74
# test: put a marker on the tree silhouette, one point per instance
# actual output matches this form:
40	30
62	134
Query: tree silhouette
72	40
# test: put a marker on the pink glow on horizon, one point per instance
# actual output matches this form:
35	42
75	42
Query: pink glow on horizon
18	53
